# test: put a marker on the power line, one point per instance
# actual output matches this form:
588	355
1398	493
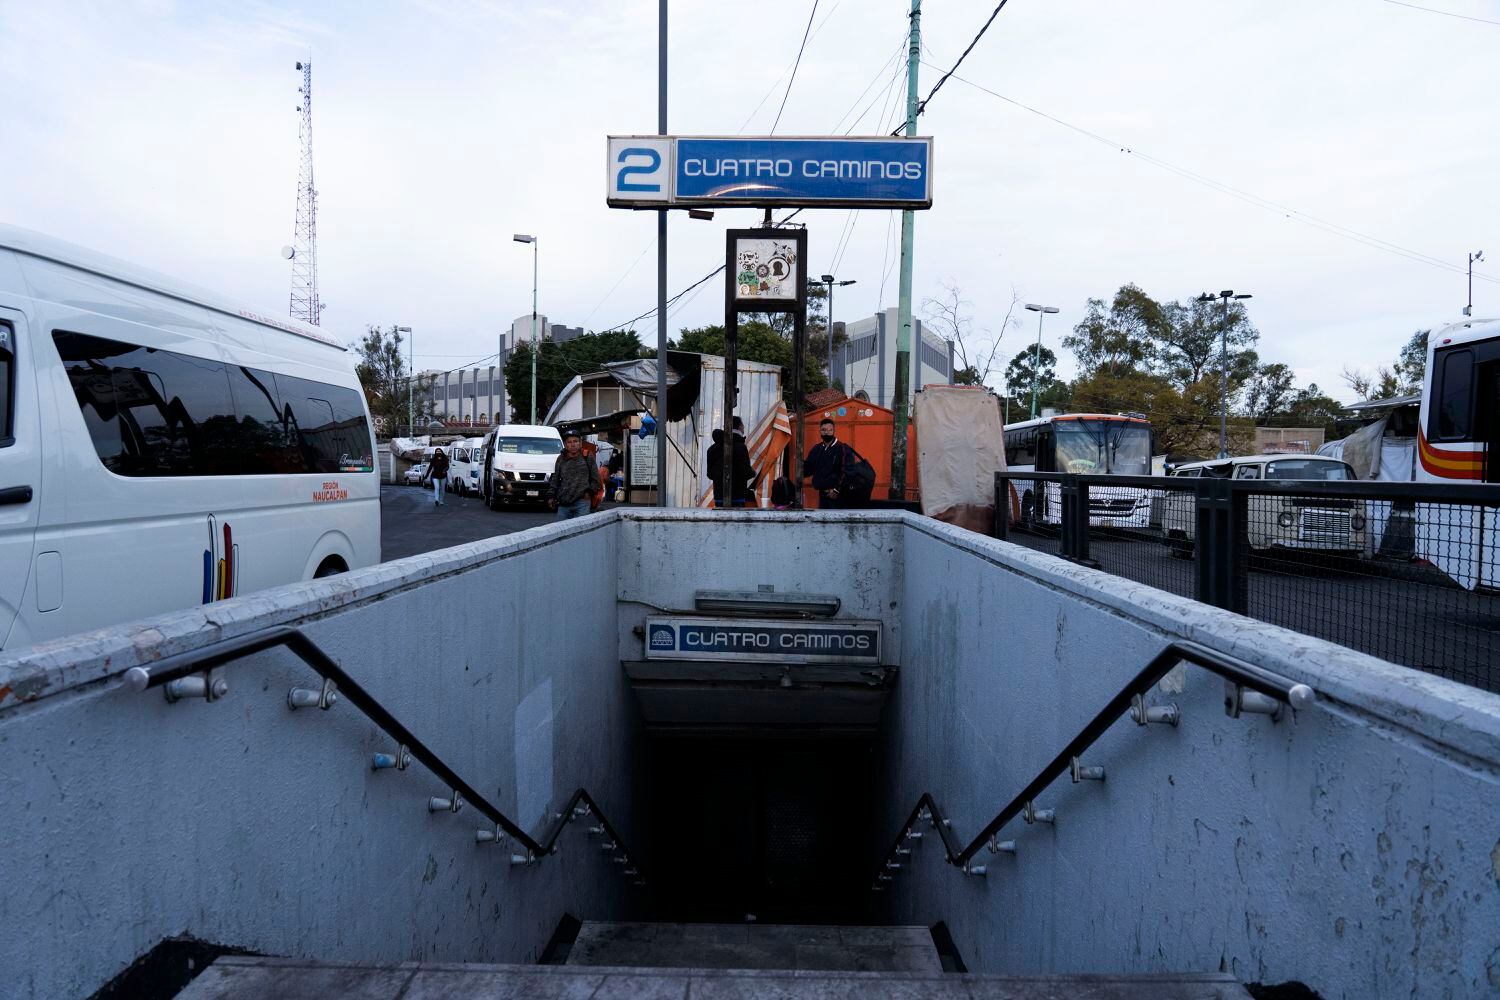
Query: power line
772	89
893	57
922	104
805	32
1445	13
1249	198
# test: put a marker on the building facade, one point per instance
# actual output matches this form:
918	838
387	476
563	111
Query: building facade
476	396
866	366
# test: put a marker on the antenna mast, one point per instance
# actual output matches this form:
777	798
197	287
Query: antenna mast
304	250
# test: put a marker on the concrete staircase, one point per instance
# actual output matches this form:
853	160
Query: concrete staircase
786	947
696	962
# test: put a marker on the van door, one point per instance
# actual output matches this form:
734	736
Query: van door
20	466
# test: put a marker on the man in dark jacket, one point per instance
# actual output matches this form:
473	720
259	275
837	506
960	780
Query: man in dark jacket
742	471
574	480
825	466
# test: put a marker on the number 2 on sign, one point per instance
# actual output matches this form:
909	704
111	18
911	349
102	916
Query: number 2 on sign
653	163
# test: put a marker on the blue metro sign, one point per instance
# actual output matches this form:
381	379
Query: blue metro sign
843	172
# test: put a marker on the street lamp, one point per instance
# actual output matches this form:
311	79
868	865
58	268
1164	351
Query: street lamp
1225	295
522	238
1474	258
411	414
1036	357
828	280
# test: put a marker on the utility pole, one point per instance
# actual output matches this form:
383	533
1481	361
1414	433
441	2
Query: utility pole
828	280
523	238
1473	259
411	379
1036	357
903	308
661	269
1225	295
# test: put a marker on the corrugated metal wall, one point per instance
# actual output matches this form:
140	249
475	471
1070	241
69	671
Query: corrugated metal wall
760	388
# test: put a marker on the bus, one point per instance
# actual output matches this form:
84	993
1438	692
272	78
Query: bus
1102	444
162	446
1458	441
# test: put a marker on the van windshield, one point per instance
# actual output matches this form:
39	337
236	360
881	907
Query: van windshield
1302	468
1112	447
527	446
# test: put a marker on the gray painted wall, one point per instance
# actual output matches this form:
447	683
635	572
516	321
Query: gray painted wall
128	820
1353	847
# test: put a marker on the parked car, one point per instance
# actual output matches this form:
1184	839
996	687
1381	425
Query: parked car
416	473
1304	520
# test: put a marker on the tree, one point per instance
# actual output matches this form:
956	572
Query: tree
1311	408
757	341
383	375
1120	341
1404	378
977	354
1192	335
1269	392
1050	390
557	364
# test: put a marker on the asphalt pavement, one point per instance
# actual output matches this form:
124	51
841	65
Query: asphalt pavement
411	524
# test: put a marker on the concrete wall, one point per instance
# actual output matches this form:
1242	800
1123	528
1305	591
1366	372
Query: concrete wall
1355	847
127	820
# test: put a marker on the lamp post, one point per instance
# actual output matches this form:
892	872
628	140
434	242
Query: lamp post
522	238
1036	356
1225	295
828	280
411	408
1474	258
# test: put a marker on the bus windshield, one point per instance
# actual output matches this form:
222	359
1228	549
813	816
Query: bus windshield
1303	468
1100	447
527	446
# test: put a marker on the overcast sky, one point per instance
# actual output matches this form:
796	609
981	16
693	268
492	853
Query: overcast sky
166	133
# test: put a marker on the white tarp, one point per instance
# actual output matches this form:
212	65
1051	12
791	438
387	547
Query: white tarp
960	447
411	449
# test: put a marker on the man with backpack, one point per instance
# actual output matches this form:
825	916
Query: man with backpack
574	480
842	478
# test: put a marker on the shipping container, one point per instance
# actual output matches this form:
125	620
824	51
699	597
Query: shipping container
869	430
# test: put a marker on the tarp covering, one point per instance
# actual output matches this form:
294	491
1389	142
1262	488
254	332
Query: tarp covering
411	449
684	372
1362	449
766	442
960	447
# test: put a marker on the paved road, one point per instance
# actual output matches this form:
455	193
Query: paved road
409	523
1403	613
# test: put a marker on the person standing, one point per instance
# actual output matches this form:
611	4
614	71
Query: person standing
825	466
437	471
574	480
743	471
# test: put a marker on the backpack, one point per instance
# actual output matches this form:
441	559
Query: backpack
782	492
859	479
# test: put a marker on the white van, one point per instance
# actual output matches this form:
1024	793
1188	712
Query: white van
161	446
465	461
518	461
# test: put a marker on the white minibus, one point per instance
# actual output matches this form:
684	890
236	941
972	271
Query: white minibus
465	460
161	446
518	460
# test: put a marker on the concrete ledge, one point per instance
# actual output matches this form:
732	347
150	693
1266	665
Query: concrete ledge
51	668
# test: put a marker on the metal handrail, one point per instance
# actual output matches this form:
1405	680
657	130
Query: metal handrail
218	653
1241	673
1476	494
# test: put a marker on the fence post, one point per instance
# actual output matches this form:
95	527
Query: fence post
1081	522
1067	488
1222	521
1002	507
1237	548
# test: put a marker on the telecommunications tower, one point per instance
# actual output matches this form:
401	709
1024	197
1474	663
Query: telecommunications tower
304	249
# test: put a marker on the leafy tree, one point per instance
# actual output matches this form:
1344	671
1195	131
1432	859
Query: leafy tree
757	341
383	375
1404	378
1193	335
1119	341
1270	391
557	364
1050	390
1311	408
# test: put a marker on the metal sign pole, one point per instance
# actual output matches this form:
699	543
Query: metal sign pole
661	270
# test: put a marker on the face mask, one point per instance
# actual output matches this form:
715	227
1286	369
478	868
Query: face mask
828	435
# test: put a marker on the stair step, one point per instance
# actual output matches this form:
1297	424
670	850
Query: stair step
790	947
251	978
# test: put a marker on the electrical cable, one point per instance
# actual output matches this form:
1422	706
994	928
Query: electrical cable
805	32
1249	198
767	96
922	104
1445	13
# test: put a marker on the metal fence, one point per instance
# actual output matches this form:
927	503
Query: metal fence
1409	572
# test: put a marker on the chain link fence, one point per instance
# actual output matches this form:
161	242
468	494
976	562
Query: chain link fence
1408	572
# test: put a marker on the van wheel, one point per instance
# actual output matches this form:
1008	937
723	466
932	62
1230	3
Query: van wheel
332	566
491	502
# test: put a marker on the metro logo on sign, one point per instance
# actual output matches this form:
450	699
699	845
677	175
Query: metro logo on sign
663	638
834	172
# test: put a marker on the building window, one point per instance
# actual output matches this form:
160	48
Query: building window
862	348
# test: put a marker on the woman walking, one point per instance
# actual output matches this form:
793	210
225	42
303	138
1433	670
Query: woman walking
437	471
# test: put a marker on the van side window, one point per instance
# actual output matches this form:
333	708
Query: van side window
1247	472
7	385
1453	400
152	412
